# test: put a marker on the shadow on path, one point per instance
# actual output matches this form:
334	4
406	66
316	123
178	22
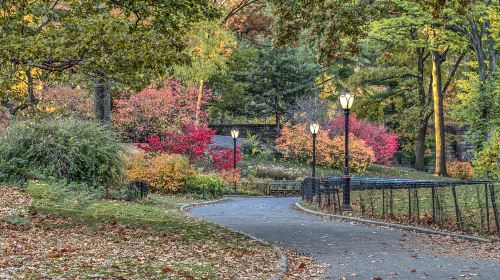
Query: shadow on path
353	250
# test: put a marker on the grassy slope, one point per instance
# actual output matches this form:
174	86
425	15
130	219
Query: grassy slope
167	242
372	171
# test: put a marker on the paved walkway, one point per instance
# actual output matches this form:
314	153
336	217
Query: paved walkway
353	250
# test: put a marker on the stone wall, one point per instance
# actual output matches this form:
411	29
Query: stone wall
265	132
457	148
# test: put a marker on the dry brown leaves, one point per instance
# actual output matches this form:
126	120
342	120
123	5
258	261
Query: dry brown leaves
300	267
444	245
55	248
457	247
13	201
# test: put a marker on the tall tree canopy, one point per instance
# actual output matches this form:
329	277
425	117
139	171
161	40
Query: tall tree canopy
271	82
115	42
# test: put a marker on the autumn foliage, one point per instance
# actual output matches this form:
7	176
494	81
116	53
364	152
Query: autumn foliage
460	170
162	172
67	101
295	142
195	143
230	177
383	143
155	111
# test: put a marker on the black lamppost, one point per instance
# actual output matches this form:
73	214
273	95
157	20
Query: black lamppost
234	135
346	99
314	127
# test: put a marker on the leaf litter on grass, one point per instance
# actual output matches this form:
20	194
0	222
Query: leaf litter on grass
59	248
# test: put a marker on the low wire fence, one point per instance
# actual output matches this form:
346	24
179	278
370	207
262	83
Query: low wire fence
466	206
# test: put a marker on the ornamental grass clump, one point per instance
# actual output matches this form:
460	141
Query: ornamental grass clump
72	150
277	172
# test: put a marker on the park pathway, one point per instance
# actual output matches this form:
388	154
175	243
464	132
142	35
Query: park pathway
353	250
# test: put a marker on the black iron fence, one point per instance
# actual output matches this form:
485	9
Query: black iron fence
468	206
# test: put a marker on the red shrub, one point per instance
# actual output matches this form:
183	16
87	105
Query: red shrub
155	111
383	143
196	144
222	158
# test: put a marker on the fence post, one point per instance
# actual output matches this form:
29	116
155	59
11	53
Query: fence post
328	194
338	201
361	202
320	192
457	209
418	204
409	205
480	205
433	194
391	203
303	190
383	203
487	207
494	205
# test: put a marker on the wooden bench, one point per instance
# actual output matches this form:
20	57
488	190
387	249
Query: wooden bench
284	187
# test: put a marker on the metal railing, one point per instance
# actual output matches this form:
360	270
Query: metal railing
468	206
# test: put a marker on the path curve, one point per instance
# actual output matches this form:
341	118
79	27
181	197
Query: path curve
353	250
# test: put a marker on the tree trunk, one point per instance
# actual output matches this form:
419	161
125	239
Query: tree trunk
278	115
492	55
420	147
278	122
198	102
423	119
437	96
102	101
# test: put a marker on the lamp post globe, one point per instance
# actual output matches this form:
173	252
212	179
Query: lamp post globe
346	100
314	127
235	133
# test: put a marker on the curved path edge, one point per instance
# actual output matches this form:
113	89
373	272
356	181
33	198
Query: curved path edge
282	265
397	226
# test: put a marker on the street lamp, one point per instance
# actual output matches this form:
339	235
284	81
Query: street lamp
234	135
314	127
346	99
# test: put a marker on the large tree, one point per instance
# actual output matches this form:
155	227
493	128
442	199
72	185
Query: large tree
111	43
477	23
273	79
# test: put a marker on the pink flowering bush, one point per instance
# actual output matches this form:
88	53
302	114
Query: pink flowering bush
383	143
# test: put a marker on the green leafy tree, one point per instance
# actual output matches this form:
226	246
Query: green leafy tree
209	47
334	27
413	34
229	84
477	23
120	43
265	82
